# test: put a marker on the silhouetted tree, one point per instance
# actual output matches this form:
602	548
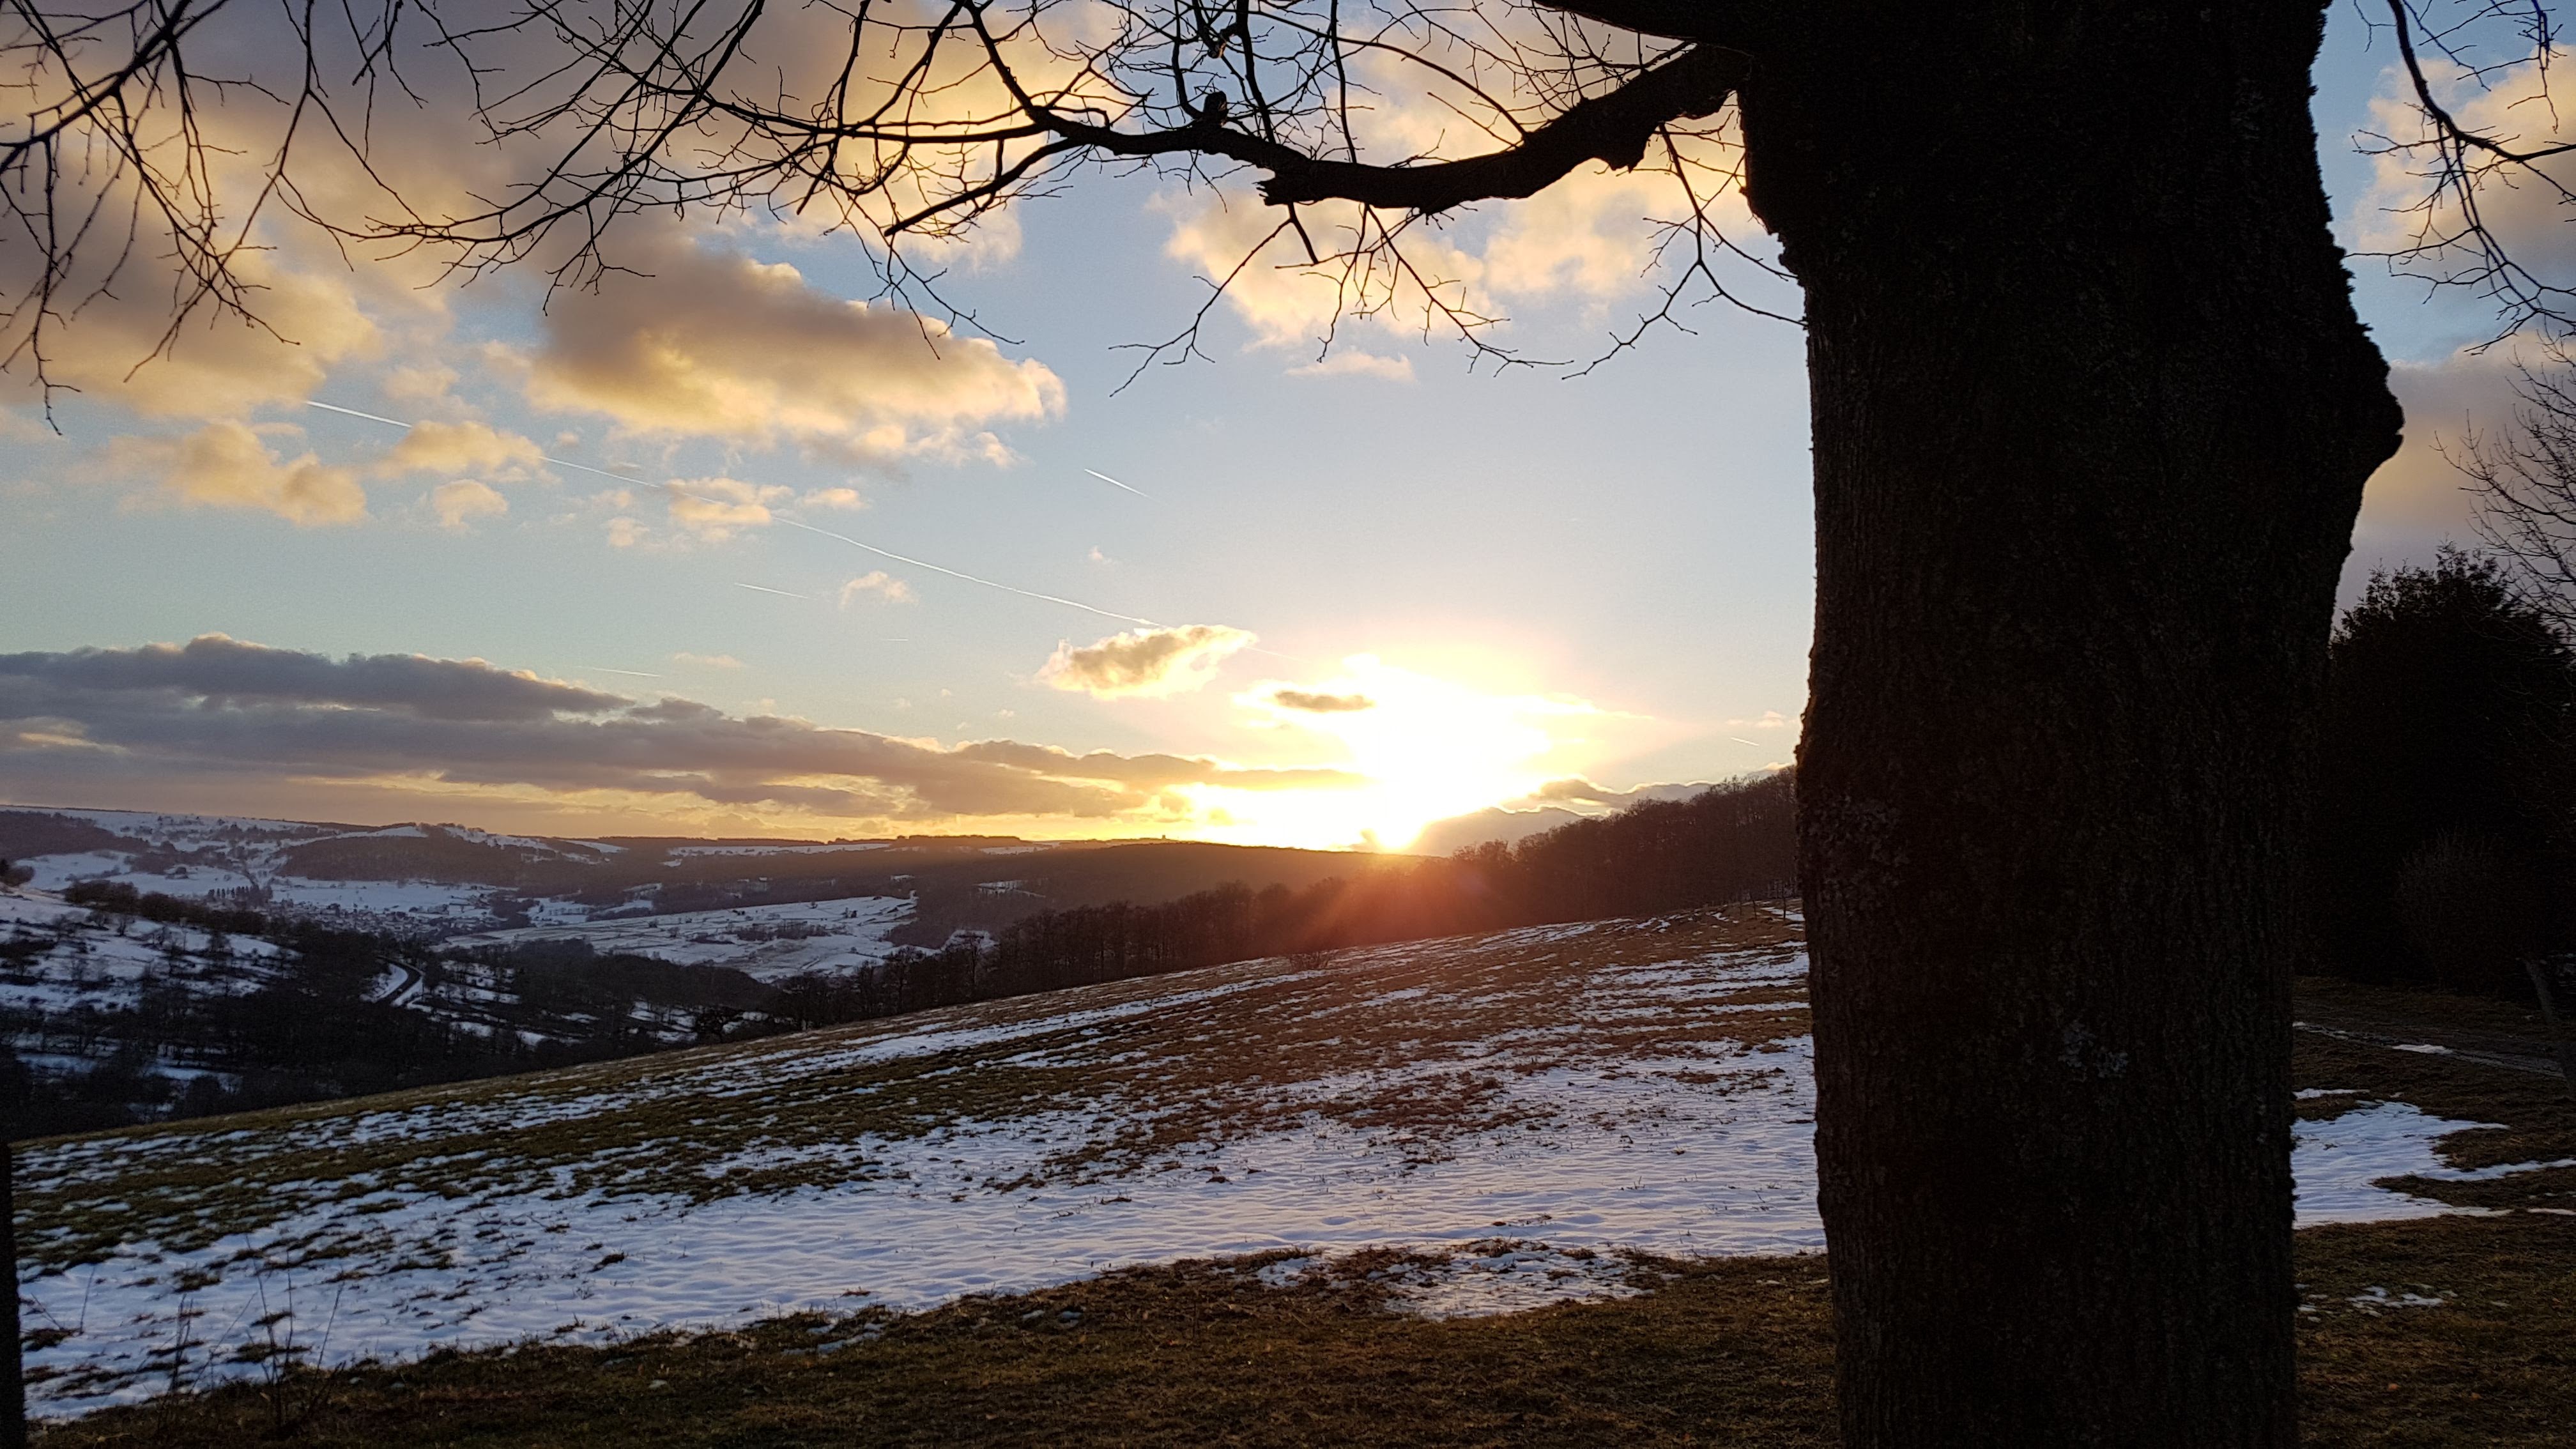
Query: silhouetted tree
2448	780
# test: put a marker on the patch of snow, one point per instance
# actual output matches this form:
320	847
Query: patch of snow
2382	1298
54	872
2339	1163
767	942
1558	1099
1509	1278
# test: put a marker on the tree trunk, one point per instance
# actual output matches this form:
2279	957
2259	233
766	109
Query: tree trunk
2092	418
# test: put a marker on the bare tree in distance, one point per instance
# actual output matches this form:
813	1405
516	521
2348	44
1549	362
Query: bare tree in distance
2092	415
2524	481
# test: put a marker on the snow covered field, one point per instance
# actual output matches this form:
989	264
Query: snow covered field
58	957
1524	1104
765	942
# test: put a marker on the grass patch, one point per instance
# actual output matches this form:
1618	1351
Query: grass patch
2434	1332
1148	1068
1735	1351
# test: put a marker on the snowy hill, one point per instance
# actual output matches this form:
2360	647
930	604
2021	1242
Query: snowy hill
1520	1107
763	942
437	881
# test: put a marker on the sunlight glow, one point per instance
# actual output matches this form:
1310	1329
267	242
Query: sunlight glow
1429	748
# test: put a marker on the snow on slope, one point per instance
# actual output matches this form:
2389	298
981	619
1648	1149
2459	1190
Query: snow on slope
1617	1085
765	942
57	958
405	900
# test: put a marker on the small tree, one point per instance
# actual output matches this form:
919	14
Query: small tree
2525	482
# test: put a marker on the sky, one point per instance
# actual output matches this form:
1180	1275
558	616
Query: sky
721	548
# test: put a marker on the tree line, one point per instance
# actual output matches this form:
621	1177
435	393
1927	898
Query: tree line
2445	841
1733	842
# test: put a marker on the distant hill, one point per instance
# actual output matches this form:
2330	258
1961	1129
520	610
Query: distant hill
441	880
1494	825
1516	821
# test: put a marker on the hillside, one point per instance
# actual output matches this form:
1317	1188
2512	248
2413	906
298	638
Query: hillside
436	881
117	1011
1520	1111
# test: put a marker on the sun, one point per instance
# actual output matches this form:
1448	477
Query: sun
1419	748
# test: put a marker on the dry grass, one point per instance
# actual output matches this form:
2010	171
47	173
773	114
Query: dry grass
1735	1351
1155	1065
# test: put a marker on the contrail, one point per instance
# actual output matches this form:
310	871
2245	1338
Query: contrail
353	412
766	589
407	427
604	669
952	573
809	528
1114	483
1741	740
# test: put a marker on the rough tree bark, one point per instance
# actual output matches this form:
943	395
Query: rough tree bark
2092	417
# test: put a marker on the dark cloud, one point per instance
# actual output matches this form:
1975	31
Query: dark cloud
1318	703
1145	661
223	671
221	707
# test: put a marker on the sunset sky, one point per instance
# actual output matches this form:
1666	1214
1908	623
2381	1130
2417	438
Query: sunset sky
740	556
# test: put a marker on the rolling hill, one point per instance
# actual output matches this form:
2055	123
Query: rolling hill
1516	1112
436	881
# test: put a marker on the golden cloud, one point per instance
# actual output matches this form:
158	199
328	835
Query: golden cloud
461	502
466	447
229	465
1145	662
712	343
880	584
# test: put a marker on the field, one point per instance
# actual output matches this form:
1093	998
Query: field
763	942
1238	1196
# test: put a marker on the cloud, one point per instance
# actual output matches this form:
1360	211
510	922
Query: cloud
2525	105
224	672
467	447
842	498
120	347
1145	661
707	661
1770	719
228	465
878	582
1315	702
1579	791
182	717
715	509
1350	362
461	502
2418	493
712	343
